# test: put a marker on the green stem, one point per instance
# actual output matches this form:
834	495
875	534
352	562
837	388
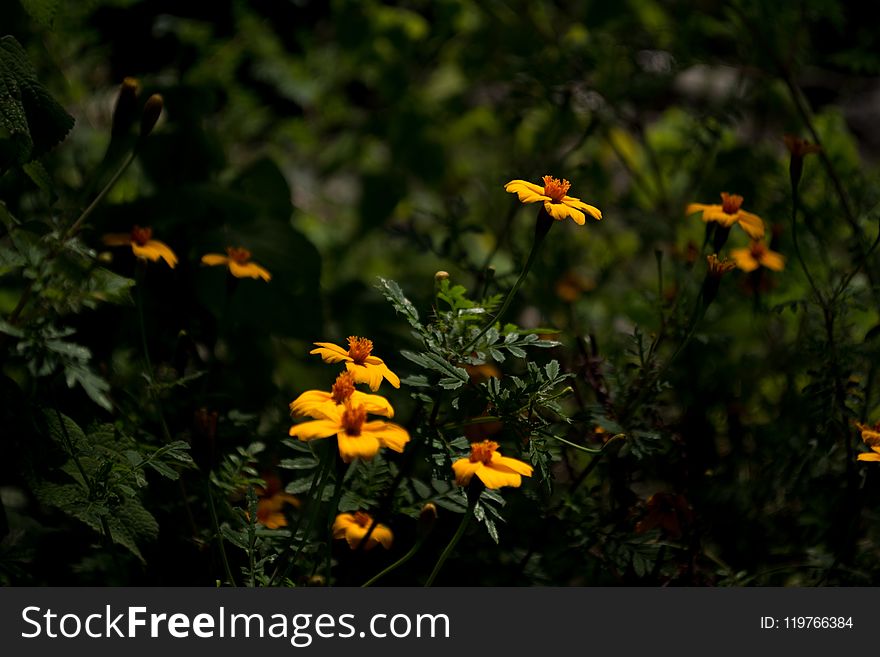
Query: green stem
331	512
216	525
796	243
406	557
140	272
474	493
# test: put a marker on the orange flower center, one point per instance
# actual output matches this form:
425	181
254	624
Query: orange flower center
482	452
730	203
359	349
757	249
238	254
362	519
343	388
141	236
555	188
353	418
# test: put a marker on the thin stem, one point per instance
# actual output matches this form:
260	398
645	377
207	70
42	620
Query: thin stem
341	467
140	272
406	557
216	526
797	248
473	497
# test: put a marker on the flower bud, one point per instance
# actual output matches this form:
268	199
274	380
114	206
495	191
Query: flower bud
125	110
441	276
798	148
427	519
152	112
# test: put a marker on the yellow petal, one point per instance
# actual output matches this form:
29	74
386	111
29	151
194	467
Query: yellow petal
593	211
869	456
248	270
390	376
365	446
526	191
464	470
393	436
494	478
369	374
560	211
773	260
330	352
214	259
716	214
743	259
515	465
382	536
117	239
375	404
342	523
310	400
752	224
693	208
314	429
153	250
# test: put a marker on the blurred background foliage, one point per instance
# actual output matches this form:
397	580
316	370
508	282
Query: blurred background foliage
344	140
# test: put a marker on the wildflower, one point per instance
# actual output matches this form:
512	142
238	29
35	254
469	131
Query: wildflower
719	266
354	526
238	261
143	245
319	404
490	467
871	437
729	213
553	194
356	437
364	367
799	148
757	255
270	509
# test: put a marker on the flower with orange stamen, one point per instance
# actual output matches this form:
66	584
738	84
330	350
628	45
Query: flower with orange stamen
757	255
143	245
238	260
729	213
270	509
490	467
353	527
356	438
554	196
359	360
319	404
871	437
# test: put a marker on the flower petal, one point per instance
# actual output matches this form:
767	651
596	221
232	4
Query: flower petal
248	270
869	456
364	446
494	478
526	191
369	374
331	353
153	250
117	239
309	401
342	523
214	259
314	429
515	465
375	404
591	210
743	259
560	211
773	260
393	436
752	224
382	536
464	470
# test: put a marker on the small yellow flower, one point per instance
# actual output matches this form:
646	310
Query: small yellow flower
364	367
319	404
729	213
357	438
270	510
871	436
757	255
719	266
490	467
553	194
354	526
239	262
143	245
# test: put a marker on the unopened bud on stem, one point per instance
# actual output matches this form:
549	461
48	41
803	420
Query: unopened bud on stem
152	112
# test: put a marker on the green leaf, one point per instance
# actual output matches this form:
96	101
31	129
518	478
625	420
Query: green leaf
42	11
391	291
31	121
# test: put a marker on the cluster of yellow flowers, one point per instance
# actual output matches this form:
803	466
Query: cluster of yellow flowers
144	247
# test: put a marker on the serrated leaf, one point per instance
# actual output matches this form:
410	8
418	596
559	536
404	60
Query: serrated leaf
552	369
392	292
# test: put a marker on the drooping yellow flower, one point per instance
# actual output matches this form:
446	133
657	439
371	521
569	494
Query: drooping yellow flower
490	467
757	255
319	404
553	195
364	367
357	438
238	260
871	436
354	526
143	245
729	213
270	509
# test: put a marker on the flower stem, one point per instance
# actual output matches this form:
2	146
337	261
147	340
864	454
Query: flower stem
542	226
341	467
406	557
474	492
216	525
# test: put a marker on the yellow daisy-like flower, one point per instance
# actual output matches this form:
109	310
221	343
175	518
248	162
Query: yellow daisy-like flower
490	467
354	526
364	367
239	262
270	510
729	213
871	436
553	195
143	245
757	255
357	438
320	404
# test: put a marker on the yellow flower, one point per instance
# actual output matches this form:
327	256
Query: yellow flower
729	213
757	255
553	194
490	467
142	245
354	526
238	261
871	436
270	510
364	367
717	267
357	438
320	404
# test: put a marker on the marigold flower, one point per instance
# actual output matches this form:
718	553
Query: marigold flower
270	509
364	367
319	404
729	213
553	194
757	255
356	437
490	467
238	261
871	437
354	526
719	266
143	245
